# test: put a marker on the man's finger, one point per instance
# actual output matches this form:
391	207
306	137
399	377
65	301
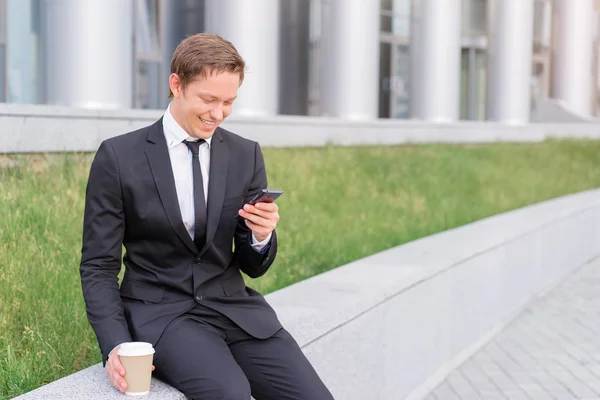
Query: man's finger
263	224
266	219
118	366
119	383
268	207
115	372
257	228
254	210
263	209
253	227
117	376
251	217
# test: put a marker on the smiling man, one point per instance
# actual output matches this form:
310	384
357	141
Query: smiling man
175	195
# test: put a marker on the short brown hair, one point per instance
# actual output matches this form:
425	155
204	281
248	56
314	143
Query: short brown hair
203	54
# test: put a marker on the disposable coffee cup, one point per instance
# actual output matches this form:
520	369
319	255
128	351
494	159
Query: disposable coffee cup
136	358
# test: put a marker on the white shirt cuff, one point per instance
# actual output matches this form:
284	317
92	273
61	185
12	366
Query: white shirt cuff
260	245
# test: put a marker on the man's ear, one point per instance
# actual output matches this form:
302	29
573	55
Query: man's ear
175	85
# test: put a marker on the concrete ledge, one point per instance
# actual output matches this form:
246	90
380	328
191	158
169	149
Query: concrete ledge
92	383
393	325
43	128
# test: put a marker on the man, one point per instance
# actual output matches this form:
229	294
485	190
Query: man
175	195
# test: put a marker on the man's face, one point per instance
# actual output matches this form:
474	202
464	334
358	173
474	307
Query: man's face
204	102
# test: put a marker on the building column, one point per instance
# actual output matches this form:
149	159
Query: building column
510	55
89	53
253	28
349	65
572	56
435	60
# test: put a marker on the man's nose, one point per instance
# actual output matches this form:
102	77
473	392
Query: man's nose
217	112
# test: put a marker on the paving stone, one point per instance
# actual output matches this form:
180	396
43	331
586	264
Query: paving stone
550	351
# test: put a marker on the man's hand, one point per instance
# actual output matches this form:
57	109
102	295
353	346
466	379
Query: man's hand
115	370
261	218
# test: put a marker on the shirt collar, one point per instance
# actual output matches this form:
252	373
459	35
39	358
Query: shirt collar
174	133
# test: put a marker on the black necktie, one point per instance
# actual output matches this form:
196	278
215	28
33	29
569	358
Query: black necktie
199	203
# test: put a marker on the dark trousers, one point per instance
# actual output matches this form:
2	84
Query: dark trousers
206	356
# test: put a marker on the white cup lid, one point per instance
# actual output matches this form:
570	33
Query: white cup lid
129	349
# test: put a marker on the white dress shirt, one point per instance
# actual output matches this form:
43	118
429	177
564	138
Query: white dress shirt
181	162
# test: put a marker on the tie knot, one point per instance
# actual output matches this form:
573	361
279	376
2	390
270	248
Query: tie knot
194	146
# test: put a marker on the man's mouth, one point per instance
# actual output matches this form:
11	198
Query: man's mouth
207	122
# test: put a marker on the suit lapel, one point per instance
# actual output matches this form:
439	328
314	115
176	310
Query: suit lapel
157	154
219	160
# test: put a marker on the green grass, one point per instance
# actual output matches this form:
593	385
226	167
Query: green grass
340	204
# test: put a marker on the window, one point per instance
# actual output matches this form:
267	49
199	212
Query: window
395	17
147	76
401	84
3	19
394	58
146	27
472	84
542	26
474	17
22	51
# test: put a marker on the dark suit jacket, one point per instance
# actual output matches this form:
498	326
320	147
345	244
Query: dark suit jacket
131	201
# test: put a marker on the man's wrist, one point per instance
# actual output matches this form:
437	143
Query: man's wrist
257	239
260	245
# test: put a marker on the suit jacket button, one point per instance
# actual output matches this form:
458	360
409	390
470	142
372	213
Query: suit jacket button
199	298
198	260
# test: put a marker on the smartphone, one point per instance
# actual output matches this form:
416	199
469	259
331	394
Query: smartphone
266	196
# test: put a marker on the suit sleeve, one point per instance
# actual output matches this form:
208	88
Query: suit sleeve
251	262
103	230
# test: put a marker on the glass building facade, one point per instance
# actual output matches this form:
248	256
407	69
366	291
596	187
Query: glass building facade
437	60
